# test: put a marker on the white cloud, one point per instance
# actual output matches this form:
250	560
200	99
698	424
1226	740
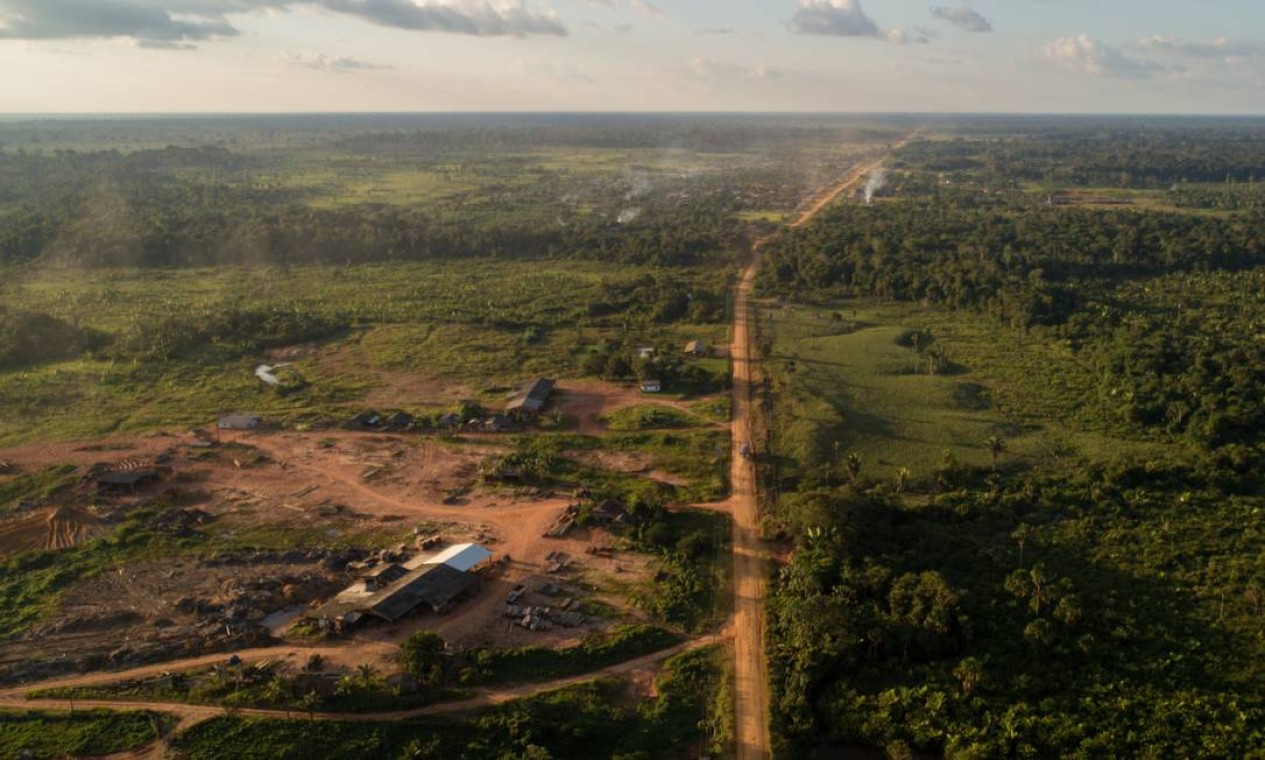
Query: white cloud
705	68
1218	48
912	35
963	18
846	18
137	19
178	23
648	8
836	18
618	29
562	72
1088	56
331	64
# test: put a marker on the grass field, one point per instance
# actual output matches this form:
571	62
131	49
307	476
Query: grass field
774	217
853	382
85	733
422	334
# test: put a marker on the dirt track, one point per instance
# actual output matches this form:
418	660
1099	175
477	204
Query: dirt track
751	562
191	714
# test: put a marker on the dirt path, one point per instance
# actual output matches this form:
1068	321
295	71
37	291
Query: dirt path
190	714
362	650
751	561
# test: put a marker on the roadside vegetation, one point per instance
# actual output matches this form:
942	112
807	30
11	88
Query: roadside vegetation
537	663
79	734
598	719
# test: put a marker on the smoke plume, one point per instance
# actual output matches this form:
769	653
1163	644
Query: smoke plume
878	178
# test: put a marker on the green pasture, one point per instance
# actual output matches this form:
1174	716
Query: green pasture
852	383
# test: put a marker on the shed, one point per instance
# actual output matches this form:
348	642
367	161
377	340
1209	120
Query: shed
645	352
609	511
401	420
464	557
240	422
497	423
651	386
435	585
113	481
531	399
384	575
695	348
364	421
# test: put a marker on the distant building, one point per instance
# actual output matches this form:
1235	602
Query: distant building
530	400
651	386
695	348
240	422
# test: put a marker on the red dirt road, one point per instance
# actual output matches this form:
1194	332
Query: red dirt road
751	560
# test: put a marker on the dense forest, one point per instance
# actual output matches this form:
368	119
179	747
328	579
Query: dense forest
1078	604
650	190
1121	153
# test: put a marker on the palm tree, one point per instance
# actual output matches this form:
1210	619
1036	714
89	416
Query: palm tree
367	673
308	703
274	692
970	672
854	466
1020	537
902	478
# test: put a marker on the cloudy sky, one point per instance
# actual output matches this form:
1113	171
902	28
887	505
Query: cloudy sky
115	56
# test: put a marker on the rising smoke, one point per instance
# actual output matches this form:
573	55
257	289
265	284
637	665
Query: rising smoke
878	178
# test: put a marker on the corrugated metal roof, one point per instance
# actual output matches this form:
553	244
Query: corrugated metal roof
132	478
533	397
461	557
437	586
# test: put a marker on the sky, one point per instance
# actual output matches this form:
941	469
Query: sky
1011	56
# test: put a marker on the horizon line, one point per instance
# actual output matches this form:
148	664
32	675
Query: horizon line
10	115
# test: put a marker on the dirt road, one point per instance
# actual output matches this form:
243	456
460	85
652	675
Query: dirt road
751	562
360	651
190	714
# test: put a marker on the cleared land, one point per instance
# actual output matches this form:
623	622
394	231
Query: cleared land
235	541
